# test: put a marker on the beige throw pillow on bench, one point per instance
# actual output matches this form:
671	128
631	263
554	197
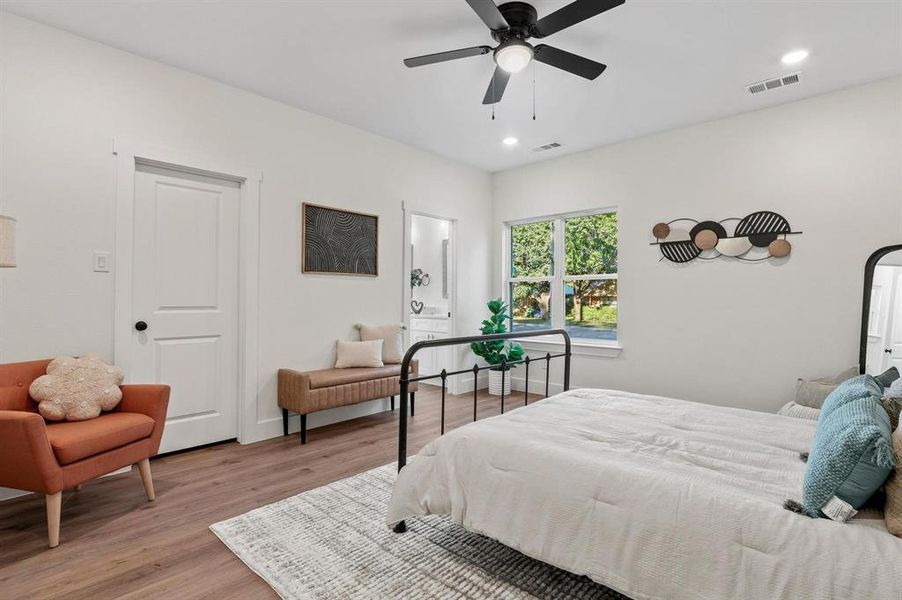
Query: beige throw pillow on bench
392	341
358	354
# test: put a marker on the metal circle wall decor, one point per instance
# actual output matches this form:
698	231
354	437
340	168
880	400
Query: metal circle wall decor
755	237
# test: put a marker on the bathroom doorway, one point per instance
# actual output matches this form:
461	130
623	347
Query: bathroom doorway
430	290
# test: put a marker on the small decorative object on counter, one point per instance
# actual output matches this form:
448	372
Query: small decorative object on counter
418	278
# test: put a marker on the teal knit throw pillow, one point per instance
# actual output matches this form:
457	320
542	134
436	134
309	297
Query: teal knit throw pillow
861	386
852	453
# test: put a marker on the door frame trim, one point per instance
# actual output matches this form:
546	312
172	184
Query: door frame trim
129	155
455	384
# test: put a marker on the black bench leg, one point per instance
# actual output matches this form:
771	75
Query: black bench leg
393	403
303	429
284	421
413	403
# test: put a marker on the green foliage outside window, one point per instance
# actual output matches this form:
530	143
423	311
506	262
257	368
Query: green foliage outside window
532	250
590	248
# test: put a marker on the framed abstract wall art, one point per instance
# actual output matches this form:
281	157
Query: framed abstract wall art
339	242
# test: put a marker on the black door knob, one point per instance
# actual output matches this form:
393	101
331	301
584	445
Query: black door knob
888	350
140	325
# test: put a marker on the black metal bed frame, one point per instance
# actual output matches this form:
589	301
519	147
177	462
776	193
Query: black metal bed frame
406	380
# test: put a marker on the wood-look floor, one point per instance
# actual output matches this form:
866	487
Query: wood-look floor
115	544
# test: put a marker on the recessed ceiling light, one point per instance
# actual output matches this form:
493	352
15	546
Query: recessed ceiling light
510	141
796	56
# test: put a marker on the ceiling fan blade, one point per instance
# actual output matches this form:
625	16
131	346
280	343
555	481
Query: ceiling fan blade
489	14
429	59
572	14
496	86
567	61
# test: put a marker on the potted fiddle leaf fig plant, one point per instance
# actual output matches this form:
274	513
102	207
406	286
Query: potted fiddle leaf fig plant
497	352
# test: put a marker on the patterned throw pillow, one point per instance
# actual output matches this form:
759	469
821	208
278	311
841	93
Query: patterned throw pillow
852	453
892	406
77	389
861	386
892	511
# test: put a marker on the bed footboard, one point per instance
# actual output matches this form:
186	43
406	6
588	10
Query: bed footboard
406	380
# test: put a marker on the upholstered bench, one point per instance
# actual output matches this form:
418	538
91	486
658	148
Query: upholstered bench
312	391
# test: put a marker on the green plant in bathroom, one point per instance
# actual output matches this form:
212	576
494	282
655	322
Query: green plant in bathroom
495	352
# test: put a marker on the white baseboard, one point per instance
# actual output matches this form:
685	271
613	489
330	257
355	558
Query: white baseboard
464	383
537	386
271	428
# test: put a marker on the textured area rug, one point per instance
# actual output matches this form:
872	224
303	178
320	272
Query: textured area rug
332	542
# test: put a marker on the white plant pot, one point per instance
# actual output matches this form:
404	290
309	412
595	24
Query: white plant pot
495	383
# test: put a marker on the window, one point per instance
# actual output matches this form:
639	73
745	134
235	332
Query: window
563	274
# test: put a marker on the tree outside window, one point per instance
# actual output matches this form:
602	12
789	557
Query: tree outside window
574	288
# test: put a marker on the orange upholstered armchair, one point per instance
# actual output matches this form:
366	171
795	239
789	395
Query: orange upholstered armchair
48	457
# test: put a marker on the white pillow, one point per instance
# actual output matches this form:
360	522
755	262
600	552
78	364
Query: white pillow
392	340
791	409
358	354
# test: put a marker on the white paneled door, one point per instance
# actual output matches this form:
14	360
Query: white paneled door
893	350
185	301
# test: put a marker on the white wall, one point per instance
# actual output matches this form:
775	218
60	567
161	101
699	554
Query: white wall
725	332
64	100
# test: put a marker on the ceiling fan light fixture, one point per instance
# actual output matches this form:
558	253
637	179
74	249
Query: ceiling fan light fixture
513	56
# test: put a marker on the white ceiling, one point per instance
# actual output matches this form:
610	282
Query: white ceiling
670	63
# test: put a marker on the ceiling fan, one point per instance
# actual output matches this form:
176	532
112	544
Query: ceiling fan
511	25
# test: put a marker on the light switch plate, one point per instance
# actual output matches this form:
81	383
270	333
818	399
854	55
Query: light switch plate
102	261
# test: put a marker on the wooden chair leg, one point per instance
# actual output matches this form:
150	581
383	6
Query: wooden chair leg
303	429
284	421
144	469
54	507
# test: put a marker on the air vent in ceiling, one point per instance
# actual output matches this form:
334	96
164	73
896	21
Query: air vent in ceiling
773	84
546	147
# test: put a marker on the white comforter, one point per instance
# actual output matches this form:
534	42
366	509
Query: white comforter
653	497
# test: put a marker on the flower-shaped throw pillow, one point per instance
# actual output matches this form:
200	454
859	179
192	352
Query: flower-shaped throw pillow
77	389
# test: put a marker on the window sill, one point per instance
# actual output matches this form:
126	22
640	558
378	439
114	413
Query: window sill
555	344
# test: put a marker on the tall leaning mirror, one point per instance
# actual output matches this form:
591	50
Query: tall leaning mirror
881	317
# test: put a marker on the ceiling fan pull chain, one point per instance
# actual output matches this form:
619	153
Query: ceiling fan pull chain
493	96
533	90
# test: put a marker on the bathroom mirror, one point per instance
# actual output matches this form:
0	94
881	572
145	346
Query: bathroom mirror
881	315
429	276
